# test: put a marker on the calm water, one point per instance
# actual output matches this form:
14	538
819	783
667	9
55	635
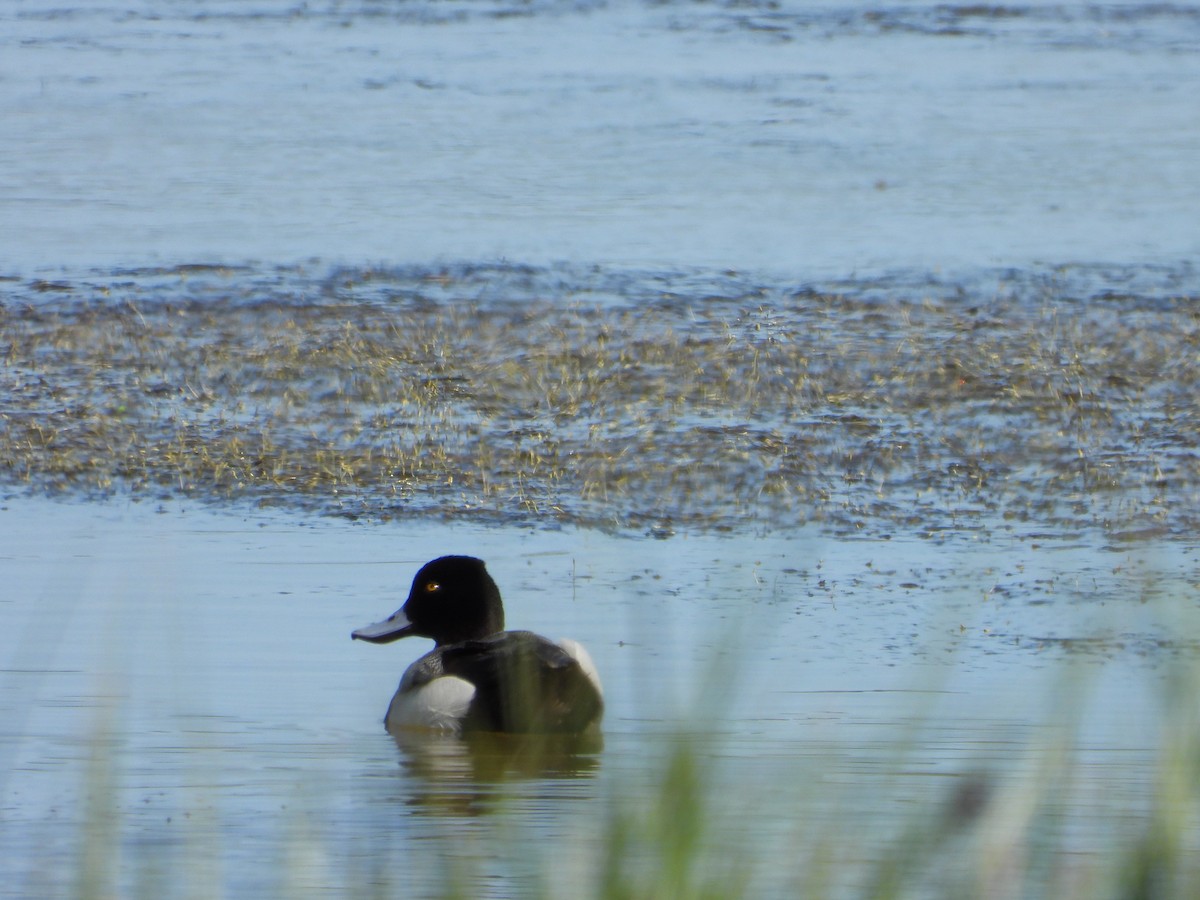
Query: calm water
824	140
198	663
821	682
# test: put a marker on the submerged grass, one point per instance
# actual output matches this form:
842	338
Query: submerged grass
390	393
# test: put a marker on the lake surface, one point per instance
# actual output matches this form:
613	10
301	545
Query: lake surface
194	669
814	140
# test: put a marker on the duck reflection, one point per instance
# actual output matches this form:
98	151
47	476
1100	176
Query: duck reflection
457	775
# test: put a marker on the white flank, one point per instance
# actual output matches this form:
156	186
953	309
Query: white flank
580	655
441	704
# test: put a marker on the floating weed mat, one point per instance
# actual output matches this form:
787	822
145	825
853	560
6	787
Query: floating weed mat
612	399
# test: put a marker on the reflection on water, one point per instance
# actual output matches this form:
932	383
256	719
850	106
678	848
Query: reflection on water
452	775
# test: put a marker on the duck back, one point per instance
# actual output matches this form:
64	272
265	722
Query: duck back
523	683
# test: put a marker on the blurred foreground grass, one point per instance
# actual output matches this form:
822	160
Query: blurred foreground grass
703	831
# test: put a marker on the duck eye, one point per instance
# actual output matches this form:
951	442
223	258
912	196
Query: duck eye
432	587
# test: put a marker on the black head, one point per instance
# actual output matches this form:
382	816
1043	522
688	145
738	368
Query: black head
452	599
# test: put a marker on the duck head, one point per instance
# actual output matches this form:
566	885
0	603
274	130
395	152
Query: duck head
452	599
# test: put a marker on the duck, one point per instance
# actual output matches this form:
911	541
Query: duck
479	677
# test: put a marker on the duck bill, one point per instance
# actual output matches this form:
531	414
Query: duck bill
390	629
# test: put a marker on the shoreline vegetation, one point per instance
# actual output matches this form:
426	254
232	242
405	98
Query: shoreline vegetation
627	403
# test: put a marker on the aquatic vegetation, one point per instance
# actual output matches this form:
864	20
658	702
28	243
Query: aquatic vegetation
657	404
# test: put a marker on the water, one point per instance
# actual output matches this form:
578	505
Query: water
814	140
209	652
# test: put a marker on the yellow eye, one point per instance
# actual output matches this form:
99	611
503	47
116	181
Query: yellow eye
432	587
